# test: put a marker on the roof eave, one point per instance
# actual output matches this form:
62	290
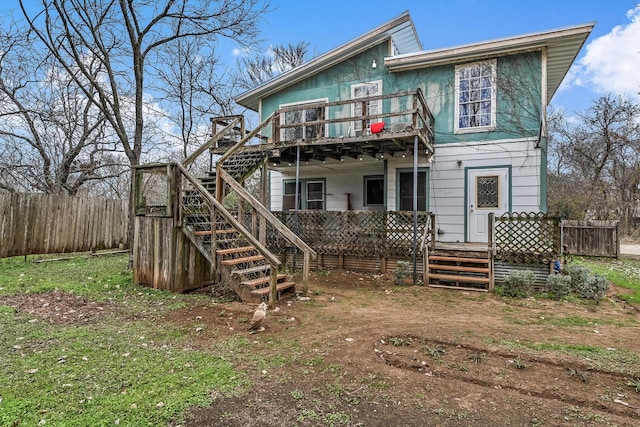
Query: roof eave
572	38
251	98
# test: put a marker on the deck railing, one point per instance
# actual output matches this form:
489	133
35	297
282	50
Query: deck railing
403	113
400	112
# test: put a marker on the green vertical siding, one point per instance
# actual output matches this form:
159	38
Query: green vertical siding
518	92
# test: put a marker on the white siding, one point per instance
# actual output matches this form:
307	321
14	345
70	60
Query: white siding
340	179
446	179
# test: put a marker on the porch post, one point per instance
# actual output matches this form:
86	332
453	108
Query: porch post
296	219
415	209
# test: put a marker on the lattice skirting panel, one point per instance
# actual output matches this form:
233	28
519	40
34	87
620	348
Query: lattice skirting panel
369	264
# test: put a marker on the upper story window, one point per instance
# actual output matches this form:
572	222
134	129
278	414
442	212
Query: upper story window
475	97
365	90
303	116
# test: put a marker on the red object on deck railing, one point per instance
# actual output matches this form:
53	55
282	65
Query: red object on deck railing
377	127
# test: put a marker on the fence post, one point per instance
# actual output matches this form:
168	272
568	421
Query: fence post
618	239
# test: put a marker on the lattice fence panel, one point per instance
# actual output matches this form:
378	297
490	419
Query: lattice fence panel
527	238
356	233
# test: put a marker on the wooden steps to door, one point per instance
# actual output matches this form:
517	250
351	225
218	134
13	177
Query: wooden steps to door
469	272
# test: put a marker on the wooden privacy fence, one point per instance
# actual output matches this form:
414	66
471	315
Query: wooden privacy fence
591	237
42	223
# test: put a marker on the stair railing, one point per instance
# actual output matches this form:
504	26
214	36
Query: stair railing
235	121
231	151
217	207
266	215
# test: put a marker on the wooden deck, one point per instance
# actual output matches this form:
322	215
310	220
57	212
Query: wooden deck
330	133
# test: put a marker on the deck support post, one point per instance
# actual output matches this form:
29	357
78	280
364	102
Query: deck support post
264	199
305	273
383	265
415	209
490	246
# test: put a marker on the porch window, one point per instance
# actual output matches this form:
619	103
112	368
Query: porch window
405	190
363	90
374	190
475	97
315	195
311	195
289	196
302	116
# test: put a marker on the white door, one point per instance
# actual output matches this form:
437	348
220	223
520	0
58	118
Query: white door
488	192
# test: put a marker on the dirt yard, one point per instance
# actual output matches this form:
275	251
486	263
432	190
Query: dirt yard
367	353
362	352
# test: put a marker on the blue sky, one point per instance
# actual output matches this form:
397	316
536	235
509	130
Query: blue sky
609	61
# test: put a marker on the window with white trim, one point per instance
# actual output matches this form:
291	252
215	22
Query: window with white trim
302	116
363	90
475	97
311	194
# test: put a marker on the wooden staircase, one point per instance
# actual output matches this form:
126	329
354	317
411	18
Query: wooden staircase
240	264
470	271
238	258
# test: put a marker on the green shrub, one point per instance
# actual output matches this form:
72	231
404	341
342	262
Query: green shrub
401	272
559	285
595	287
579	275
518	284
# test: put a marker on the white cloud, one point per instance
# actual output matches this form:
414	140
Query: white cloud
237	51
611	62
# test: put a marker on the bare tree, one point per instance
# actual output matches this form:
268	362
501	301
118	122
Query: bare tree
192	90
258	69
120	37
53	139
600	156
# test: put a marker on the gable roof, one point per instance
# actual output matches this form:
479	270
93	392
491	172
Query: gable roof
562	47
400	30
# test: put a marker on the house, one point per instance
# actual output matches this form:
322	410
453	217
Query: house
371	153
488	147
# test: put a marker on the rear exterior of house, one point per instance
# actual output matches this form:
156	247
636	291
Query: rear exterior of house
488	101
373	153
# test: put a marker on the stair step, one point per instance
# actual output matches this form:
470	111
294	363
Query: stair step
256	269
261	280
226	230
279	288
458	259
459	268
219	231
236	261
235	250
459	278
